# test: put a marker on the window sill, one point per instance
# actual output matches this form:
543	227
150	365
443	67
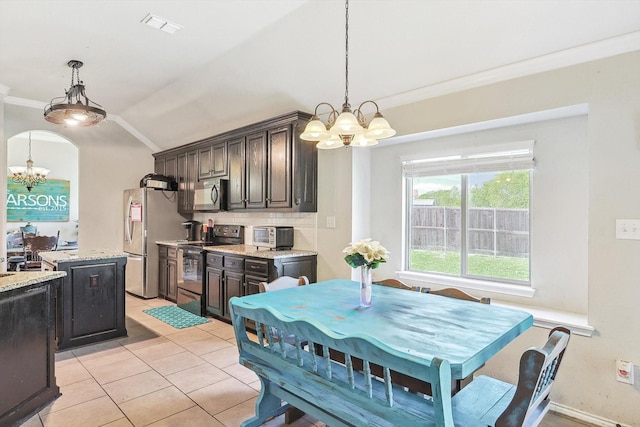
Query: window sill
543	317
472	284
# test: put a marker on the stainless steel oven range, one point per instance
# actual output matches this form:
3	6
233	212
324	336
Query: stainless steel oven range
191	266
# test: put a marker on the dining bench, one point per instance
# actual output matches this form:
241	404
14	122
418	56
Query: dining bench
339	395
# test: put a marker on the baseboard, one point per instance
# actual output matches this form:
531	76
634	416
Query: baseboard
583	416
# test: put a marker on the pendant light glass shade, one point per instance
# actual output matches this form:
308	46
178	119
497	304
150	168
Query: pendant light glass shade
331	143
379	128
315	131
346	124
361	140
347	128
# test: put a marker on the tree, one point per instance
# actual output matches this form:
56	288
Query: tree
507	190
450	197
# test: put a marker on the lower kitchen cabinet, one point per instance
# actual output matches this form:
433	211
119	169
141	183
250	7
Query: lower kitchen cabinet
90	302
235	275
168	274
27	350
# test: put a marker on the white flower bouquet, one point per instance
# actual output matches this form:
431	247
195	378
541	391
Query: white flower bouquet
365	253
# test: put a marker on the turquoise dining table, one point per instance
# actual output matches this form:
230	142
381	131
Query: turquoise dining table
420	325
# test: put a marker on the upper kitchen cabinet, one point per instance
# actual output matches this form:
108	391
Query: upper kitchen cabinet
167	165
267	164
273	169
213	160
187	176
247	172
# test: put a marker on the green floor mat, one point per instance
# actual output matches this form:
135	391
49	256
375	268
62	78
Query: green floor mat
176	317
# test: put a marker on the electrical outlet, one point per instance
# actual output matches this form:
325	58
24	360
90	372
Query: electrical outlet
628	229
624	371
331	222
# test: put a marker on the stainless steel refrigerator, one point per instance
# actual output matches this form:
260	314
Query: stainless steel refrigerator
149	215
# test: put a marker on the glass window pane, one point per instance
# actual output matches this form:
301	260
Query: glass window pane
435	224
498	225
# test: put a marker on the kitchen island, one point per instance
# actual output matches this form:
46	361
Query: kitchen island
91	298
27	343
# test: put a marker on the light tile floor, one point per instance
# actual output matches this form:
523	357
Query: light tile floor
162	376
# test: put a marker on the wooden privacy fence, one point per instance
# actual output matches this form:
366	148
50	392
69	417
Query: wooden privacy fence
498	232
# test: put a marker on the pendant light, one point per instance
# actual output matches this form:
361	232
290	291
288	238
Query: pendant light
347	128
70	109
30	176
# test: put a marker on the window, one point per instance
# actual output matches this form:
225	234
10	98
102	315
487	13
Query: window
468	215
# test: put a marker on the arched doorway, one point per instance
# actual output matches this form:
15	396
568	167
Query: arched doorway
50	207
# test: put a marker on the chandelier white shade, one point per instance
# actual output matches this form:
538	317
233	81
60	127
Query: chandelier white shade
70	109
348	128
30	175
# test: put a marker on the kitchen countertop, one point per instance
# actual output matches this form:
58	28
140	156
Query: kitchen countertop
19	279
246	250
54	257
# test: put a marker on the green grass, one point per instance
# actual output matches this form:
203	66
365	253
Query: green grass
478	265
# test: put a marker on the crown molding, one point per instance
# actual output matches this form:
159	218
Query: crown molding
577	55
30	103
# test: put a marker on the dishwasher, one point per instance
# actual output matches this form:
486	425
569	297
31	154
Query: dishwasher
190	284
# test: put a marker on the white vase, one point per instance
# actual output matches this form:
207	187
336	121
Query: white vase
365	287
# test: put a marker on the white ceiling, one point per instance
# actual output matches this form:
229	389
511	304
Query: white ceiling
240	61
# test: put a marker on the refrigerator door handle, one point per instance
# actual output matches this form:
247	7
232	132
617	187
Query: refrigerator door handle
127	221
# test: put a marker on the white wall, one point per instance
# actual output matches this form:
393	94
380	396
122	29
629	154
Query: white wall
110	161
611	88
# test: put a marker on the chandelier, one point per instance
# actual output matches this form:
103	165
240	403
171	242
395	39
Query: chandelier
347	128
30	176
70	109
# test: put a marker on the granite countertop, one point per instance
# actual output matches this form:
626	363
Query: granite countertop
55	257
19	279
246	250
249	250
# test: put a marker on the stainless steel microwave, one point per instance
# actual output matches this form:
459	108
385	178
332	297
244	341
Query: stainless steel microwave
273	237
210	195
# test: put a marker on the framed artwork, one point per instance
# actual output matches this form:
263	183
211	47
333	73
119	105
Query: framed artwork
45	202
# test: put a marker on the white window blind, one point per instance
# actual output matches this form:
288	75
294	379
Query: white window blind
508	156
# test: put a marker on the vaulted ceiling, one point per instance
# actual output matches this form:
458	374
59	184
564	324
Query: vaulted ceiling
239	61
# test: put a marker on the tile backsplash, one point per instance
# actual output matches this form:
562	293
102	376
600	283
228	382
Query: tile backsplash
305	225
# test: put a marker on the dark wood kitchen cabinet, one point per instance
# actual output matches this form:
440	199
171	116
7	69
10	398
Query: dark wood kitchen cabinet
213	160
167	166
90	301
230	275
187	171
247	172
168	273
267	165
27	348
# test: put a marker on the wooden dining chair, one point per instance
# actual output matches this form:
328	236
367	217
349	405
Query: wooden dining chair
33	246
395	283
457	293
17	262
493	402
283	282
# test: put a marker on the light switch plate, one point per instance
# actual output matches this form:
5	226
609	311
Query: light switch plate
331	222
628	229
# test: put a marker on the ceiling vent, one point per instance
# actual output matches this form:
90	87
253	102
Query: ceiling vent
160	23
